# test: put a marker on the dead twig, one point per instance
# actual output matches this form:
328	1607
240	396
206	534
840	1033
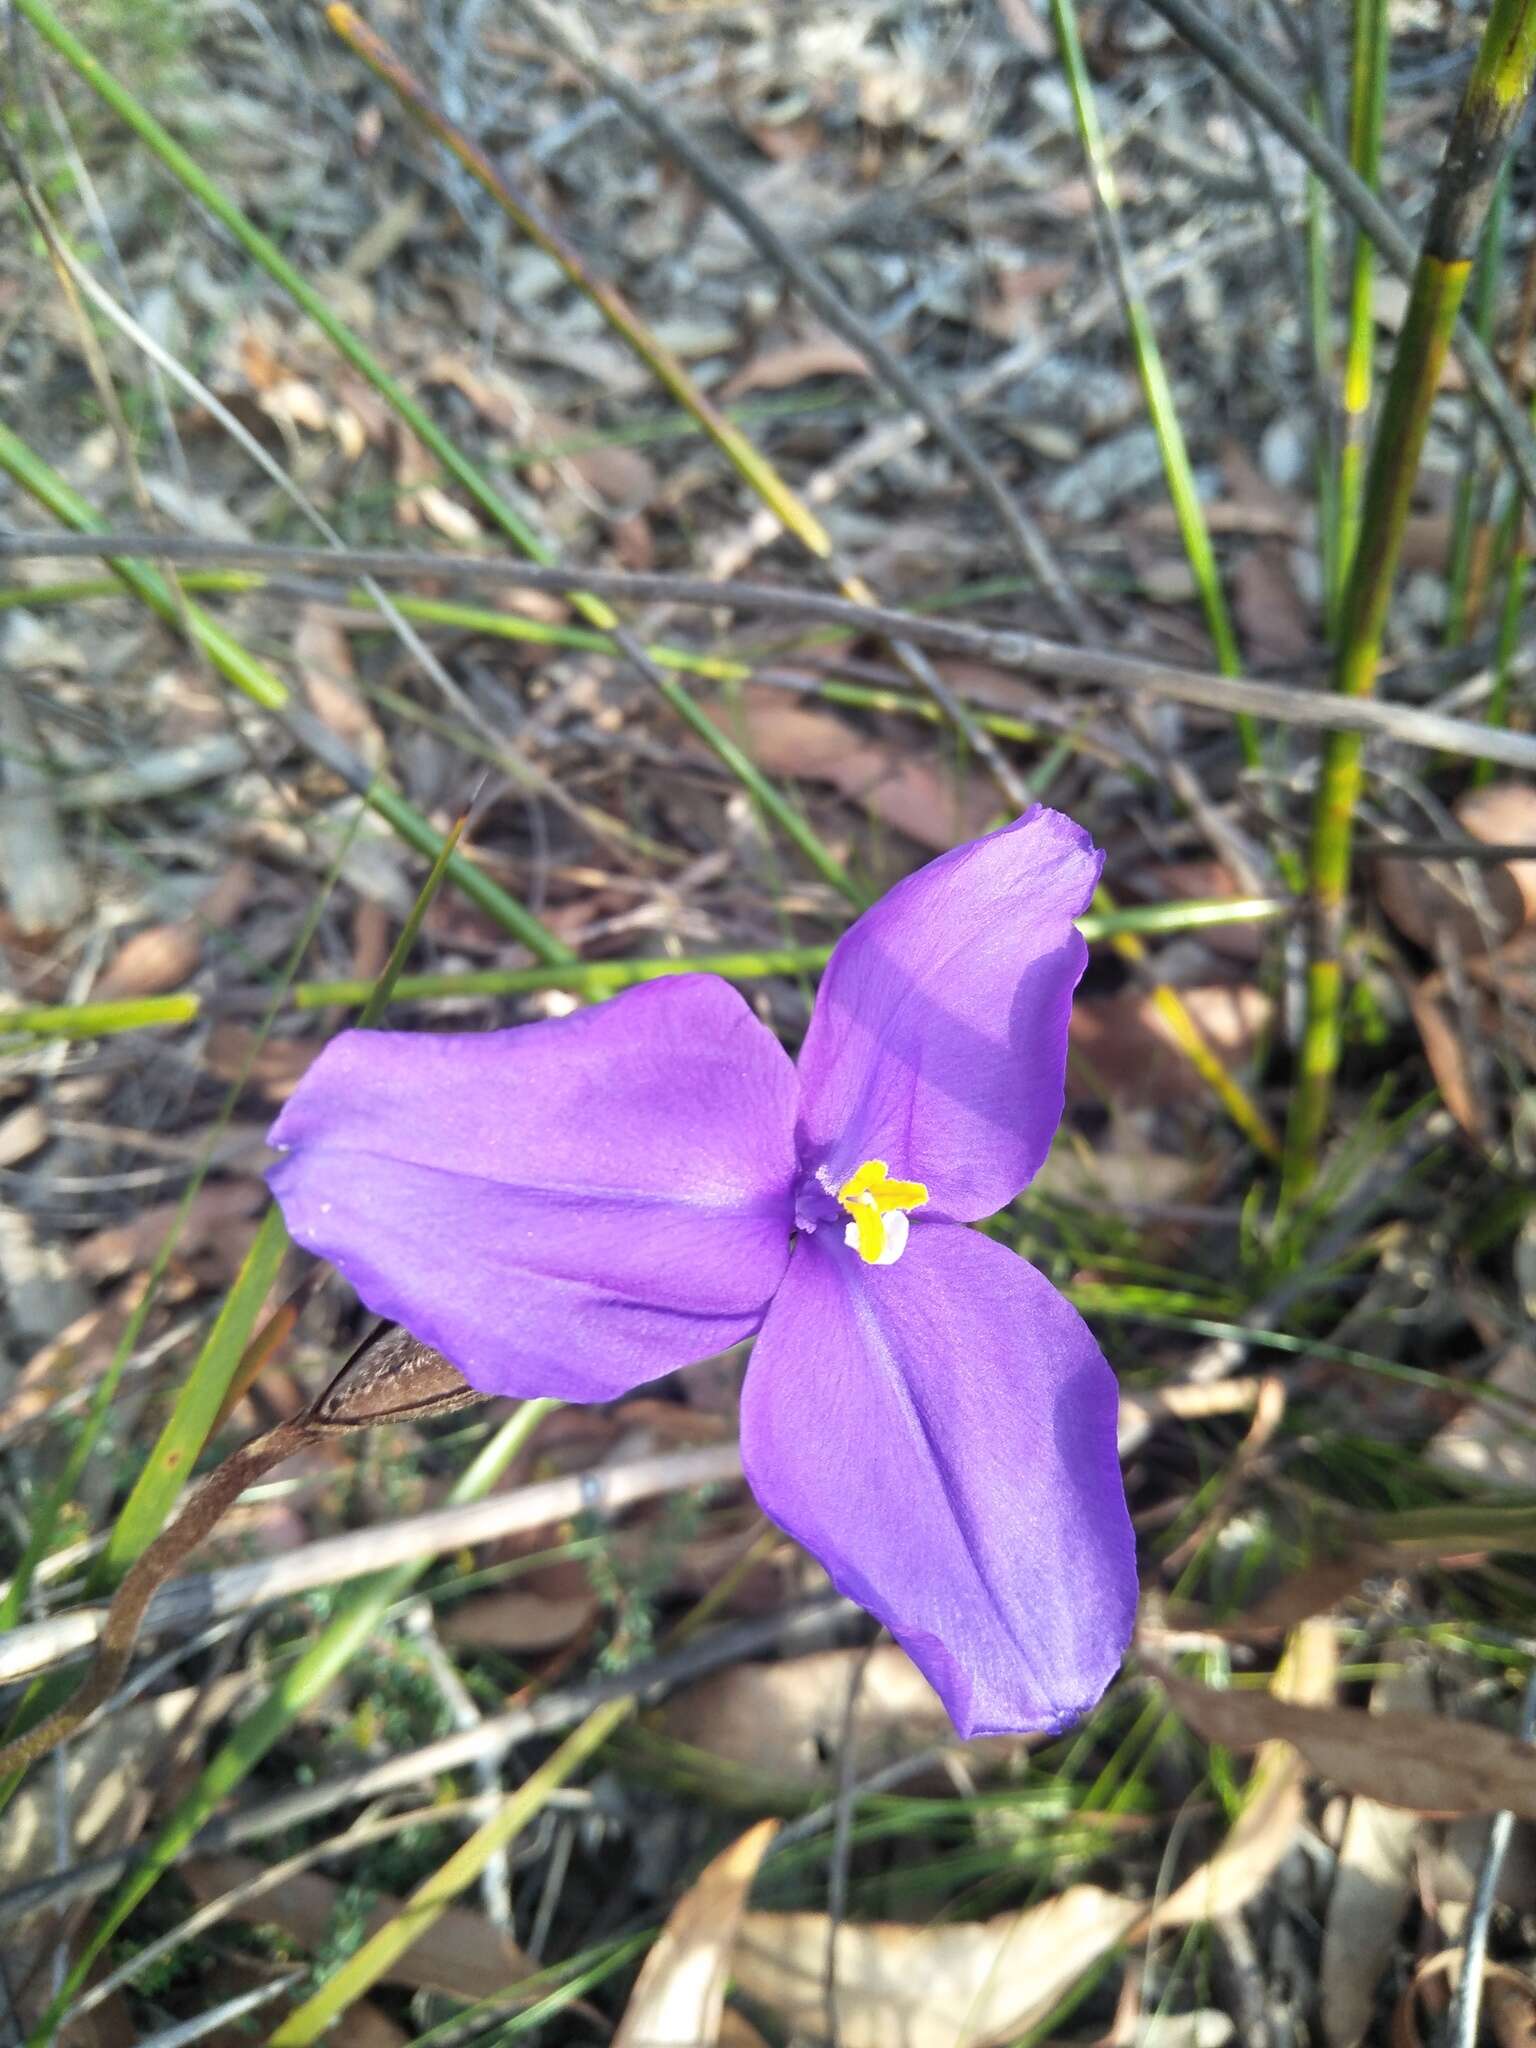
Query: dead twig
1006	647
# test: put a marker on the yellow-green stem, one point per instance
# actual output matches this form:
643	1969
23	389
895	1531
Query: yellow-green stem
1480	135
1367	97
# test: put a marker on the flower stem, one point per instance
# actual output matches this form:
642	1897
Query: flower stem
1479	138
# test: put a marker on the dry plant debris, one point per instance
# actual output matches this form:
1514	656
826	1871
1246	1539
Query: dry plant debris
1275	1828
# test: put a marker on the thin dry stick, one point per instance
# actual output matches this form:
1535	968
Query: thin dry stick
794	1631
1005	647
570	33
1461	2028
390	1377
201	1597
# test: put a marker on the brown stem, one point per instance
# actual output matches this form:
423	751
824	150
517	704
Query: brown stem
390	1377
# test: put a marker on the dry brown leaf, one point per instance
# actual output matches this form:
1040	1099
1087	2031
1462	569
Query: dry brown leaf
1421	1761
460	1953
1276	623
679	1997
1274	1802
164	956
152	961
775	369
1122	1044
22	1133
932	804
215	1209
276	1067
1429	901
323	653
1440	1034
1316	1589
970	1986
930	1987
787	1719
518	1622
1372	1883
1479	1444
1504	814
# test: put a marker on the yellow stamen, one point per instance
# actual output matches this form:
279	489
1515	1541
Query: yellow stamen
870	1196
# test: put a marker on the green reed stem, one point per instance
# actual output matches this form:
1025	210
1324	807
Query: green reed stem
594	978
1367	98
1156	389
1480	136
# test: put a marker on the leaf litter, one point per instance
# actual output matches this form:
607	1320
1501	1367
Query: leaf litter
152	842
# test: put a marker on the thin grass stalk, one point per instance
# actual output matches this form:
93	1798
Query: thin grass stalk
1464	576
1010	648
1495	94
264	252
202	1398
265	688
1367	99
593	978
465	618
1158	392
358	1615
431	1899
748	461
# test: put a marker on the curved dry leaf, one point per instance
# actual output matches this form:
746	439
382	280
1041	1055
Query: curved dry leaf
777	368
1429	901
917	792
1122	1045
516	1622
1478	1445
1425	1762
931	1987
1372	1884
679	1997
970	1986
1274	1802
460	1952
787	1718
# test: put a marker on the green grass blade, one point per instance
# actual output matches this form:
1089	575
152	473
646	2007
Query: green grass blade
598	978
1158	392
169	1465
363	1969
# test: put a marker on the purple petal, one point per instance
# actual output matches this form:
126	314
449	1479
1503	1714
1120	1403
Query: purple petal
566	1208
941	1434
939	1038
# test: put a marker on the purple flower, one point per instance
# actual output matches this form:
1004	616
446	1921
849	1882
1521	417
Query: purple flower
571	1208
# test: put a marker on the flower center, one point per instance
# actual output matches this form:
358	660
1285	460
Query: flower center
878	1205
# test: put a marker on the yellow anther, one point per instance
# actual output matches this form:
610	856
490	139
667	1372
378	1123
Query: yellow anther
869	1230
878	1205
862	1182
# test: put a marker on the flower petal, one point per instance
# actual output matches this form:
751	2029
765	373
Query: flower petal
565	1208
941	1434
939	1038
